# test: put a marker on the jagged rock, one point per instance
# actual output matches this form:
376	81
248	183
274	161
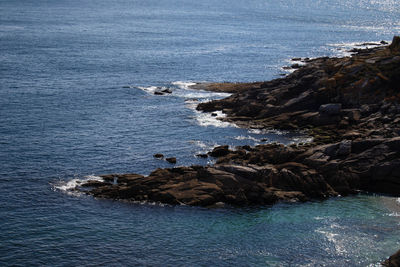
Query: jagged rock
158	156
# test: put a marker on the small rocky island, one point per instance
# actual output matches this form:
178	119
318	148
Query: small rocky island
351	108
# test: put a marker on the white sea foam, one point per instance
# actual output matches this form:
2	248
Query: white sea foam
182	89
71	185
206	119
152	89
194	97
186	92
200	144
242	137
183	85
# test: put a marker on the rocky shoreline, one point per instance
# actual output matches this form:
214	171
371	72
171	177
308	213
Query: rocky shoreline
351	108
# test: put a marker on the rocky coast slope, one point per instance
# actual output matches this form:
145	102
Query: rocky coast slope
350	106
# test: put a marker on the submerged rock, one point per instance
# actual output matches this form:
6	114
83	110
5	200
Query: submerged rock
171	160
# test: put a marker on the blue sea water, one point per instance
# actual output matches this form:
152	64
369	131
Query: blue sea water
76	99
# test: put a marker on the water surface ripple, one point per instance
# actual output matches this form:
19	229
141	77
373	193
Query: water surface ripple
76	99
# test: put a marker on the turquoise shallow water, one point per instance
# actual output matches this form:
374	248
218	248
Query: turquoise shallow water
76	83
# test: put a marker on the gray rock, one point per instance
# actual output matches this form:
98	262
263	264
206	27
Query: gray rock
331	109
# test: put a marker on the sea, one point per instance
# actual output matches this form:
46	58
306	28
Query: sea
77	83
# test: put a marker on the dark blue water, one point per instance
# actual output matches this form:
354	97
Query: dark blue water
76	99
